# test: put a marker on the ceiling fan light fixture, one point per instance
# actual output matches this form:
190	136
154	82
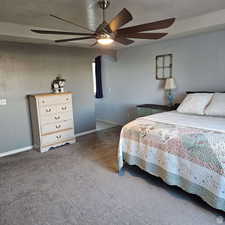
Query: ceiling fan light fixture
105	40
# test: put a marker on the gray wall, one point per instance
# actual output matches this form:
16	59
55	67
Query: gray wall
199	64
27	69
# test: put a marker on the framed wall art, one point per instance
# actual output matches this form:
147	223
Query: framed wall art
164	64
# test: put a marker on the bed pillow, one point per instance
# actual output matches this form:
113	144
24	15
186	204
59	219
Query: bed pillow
216	106
195	103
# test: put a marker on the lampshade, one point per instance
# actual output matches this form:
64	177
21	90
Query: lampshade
170	84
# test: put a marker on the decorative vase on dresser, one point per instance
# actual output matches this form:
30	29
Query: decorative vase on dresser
52	120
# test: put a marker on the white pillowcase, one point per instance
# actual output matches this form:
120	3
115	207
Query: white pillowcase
216	106
195	103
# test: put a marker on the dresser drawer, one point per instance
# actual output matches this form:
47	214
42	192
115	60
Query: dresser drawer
57	137
56	118
144	112
154	111
64	108
149	109
55	99
48	110
141	111
55	127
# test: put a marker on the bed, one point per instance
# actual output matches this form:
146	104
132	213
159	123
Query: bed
184	150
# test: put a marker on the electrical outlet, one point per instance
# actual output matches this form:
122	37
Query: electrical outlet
3	101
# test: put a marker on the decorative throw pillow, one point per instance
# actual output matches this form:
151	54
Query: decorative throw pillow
217	105
195	103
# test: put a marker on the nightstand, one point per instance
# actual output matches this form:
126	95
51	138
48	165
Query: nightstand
149	109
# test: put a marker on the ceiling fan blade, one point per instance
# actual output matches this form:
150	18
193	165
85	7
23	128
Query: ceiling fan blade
123	40
162	24
120	19
68	21
94	44
154	36
58	32
75	39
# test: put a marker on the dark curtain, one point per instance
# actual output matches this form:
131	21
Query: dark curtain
98	73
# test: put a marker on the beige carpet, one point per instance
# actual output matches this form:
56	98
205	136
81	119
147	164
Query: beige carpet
78	185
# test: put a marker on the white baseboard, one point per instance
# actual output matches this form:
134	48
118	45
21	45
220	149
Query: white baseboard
86	132
109	122
15	151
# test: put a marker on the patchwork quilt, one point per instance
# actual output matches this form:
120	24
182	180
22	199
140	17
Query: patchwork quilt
189	157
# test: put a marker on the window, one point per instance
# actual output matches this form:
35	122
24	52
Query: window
94	77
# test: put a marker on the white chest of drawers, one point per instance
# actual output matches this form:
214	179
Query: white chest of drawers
52	120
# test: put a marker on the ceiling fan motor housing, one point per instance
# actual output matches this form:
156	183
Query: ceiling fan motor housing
104	4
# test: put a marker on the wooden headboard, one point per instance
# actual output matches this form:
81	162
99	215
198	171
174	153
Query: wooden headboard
193	92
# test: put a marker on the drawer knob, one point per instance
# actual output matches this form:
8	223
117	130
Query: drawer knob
64	108
59	136
48	110
58	126
57	117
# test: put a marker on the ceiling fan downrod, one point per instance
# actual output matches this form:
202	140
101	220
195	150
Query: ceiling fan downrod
104	4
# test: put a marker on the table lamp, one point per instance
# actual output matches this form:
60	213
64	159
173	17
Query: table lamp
169	87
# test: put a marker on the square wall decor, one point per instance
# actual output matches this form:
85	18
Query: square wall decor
164	65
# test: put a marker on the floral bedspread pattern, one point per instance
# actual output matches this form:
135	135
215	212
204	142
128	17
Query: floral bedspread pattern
191	158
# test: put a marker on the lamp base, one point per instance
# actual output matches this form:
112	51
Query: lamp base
170	96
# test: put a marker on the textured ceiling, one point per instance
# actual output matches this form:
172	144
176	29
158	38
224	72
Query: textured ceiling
36	12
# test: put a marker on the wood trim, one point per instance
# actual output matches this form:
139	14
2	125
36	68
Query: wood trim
58	131
50	94
59	142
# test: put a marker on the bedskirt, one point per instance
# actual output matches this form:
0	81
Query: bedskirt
191	158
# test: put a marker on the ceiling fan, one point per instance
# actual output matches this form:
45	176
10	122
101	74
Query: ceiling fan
106	33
